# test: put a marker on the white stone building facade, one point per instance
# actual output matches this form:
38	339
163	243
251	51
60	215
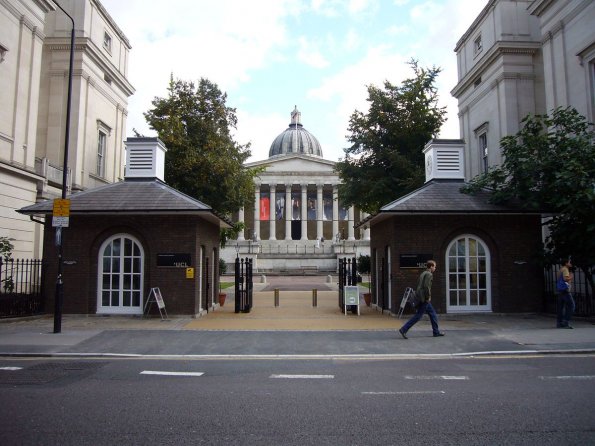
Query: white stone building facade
520	57
35	54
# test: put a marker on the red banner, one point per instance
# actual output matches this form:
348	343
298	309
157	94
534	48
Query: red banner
265	208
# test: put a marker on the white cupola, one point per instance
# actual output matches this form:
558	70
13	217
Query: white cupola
444	159
145	158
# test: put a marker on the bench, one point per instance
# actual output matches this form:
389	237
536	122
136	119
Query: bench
309	270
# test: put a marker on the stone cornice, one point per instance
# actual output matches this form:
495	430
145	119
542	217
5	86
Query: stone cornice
89	49
484	12
496	51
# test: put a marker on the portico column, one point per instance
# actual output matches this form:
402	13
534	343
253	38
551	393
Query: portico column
367	227
318	211
257	213
335	210
350	229
273	212
288	212
240	220
304	212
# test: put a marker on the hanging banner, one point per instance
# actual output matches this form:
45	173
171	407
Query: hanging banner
265	207
280	208
312	204
296	206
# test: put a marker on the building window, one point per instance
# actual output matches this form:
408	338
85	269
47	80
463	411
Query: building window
3	51
592	79
107	41
120	275
481	133
101	150
477	82
483	152
468	275
477	45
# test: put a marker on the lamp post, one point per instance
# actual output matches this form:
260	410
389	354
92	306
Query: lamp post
59	282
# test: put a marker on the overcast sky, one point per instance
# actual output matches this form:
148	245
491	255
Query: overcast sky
270	55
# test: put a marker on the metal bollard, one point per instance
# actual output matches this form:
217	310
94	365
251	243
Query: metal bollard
276	297
314	297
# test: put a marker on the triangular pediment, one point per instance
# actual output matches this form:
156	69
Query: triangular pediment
295	163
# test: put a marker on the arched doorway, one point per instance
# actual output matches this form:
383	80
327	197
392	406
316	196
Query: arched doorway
120	276
468	274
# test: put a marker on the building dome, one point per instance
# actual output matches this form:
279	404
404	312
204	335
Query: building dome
295	139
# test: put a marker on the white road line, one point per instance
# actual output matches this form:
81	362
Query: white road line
303	376
445	377
577	377
156	372
11	368
421	392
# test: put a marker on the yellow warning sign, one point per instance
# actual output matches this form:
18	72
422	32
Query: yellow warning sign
61	208
189	273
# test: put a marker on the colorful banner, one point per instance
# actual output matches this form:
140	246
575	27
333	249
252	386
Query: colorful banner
265	208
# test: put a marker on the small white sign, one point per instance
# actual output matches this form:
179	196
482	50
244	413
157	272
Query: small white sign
60	222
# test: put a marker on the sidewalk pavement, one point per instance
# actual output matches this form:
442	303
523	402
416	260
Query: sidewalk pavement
293	329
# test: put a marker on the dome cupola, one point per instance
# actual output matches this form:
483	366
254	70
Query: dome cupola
295	140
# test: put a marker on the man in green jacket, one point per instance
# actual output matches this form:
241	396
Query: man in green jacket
424	295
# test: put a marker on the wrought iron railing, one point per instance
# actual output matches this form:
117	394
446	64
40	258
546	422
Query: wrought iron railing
21	287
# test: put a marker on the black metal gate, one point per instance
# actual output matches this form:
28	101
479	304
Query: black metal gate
243	285
347	277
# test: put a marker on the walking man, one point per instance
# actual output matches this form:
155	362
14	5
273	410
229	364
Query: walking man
424	295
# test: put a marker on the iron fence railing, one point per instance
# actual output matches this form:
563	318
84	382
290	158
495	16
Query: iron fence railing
582	291
21	287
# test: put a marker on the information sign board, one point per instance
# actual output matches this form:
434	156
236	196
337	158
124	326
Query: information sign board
351	297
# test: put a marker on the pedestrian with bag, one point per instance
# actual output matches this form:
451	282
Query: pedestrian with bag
565	300
424	295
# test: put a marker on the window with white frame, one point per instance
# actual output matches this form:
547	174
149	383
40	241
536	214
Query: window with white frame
483	151
101	151
481	133
107	41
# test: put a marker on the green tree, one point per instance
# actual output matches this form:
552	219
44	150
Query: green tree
549	166
385	159
202	160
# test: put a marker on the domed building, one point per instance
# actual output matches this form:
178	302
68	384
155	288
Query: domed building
297	222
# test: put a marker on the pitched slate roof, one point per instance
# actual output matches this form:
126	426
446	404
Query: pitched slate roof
143	196
445	197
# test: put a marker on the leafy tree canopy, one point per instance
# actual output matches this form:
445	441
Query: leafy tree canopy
385	159
549	165
202	160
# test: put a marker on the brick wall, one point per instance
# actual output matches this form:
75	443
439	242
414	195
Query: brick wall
157	234
514	243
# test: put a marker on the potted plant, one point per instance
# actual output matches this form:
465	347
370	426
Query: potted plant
363	266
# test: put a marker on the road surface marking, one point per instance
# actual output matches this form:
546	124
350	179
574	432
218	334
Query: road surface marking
156	372
11	368
446	377
303	376
421	392
578	377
